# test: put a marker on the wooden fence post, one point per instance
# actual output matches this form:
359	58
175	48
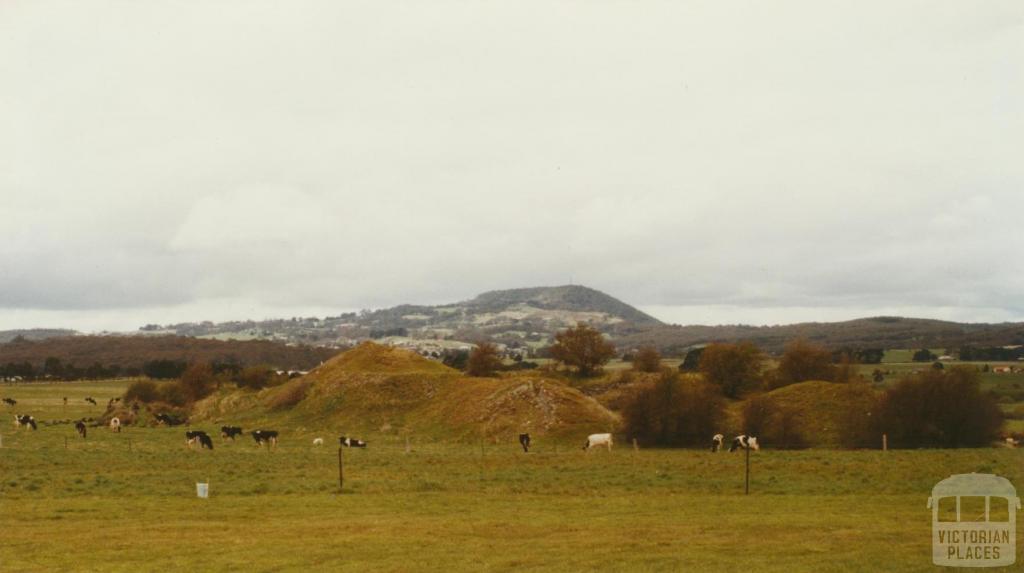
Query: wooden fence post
407	449
635	447
885	442
341	470
746	485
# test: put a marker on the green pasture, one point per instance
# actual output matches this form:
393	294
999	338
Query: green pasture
126	502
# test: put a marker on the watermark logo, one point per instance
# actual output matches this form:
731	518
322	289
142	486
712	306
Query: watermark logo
974	521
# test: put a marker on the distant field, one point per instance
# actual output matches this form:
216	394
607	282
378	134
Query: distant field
100	506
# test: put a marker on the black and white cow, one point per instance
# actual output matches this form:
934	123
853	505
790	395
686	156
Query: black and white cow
744	442
80	428
717	442
268	436
90	400
25	421
10	401
230	432
351	442
524	440
193	436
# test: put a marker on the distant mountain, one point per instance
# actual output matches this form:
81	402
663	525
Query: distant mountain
34	334
526	319
561	298
518	318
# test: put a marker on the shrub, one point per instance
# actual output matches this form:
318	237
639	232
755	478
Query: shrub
647	359
940	408
174	393
673	412
197	381
142	391
772	423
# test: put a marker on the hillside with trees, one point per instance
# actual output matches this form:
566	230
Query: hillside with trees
109	356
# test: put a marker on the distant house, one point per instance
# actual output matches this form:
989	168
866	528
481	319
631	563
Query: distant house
946	358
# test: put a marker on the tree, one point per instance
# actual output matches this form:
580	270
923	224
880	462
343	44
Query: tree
483	360
647	359
803	361
163	368
691	362
923	355
583	348
940	408
456	359
197	381
673	412
735	368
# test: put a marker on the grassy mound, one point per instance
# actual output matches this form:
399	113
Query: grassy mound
378	389
819	408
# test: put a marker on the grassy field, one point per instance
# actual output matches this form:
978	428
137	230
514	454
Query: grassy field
126	502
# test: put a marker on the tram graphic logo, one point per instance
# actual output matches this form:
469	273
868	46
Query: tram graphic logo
974	521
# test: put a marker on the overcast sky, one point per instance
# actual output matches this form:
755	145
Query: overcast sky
709	162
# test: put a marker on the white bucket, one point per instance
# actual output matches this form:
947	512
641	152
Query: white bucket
203	490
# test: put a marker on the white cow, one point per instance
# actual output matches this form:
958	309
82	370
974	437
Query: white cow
594	440
318	441
115	424
717	441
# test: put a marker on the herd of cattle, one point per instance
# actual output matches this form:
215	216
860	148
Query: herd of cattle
269	437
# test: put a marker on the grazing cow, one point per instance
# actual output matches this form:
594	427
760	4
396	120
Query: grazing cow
745	442
594	440
351	442
193	436
524	440
162	418
268	436
10	401
230	432
717	442
1010	442
115	424
80	427
25	421
90	400
318	441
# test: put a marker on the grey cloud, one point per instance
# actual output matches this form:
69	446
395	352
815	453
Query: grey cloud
162	159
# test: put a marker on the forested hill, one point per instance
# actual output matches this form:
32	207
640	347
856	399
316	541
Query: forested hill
129	353
875	332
